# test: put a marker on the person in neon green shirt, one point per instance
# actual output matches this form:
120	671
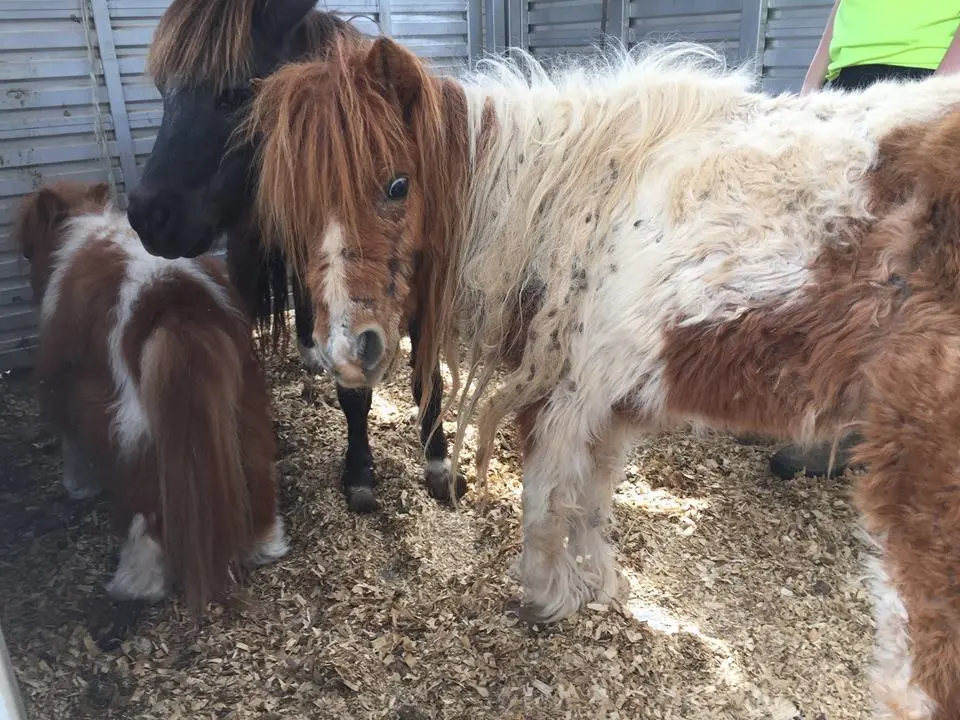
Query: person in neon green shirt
870	40
866	41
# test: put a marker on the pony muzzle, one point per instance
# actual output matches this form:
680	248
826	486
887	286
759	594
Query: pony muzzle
355	359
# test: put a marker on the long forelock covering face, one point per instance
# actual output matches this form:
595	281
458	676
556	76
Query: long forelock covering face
342	188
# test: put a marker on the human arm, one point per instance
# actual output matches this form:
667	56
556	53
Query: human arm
951	61
817	71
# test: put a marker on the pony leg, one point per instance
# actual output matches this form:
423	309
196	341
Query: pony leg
79	474
303	322
358	479
437	473
911	508
588	538
897	697
140	574
557	466
270	546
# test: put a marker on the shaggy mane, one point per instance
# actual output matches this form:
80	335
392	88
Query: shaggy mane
198	41
319	152
519	201
209	41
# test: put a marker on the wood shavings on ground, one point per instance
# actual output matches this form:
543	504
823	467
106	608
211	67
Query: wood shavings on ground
745	594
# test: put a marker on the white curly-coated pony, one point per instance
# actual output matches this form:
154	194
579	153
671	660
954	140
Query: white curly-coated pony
640	244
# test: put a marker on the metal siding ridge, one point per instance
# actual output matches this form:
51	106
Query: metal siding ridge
111	77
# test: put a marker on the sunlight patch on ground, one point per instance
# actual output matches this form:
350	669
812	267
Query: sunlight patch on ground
384	410
638	494
643	608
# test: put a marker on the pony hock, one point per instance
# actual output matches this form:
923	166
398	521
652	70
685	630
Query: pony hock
197	184
146	369
645	243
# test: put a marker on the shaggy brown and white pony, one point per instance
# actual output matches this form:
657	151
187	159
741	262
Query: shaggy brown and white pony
146	369
649	242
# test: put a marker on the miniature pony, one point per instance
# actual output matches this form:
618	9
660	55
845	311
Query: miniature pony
146	369
644	243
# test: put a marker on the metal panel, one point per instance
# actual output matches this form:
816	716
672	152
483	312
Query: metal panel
52	97
716	23
437	30
555	28
791	33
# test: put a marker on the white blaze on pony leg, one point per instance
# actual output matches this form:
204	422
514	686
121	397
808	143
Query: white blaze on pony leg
896	696
79	476
140	574
271	547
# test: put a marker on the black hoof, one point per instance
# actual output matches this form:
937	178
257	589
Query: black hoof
361	500
524	612
110	621
358	486
437	477
787	462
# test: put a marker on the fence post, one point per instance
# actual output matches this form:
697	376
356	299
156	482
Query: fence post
752	21
474	30
615	21
517	24
385	17
496	25
111	78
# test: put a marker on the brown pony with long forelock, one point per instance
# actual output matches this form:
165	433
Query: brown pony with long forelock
644	242
147	370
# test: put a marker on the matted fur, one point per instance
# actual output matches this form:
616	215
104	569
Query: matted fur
147	370
649	241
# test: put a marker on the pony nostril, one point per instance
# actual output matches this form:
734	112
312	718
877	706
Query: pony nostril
370	348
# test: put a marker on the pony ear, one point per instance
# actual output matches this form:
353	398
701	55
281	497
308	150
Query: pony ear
278	18
397	71
39	214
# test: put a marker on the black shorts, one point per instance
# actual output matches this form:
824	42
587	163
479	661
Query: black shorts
860	76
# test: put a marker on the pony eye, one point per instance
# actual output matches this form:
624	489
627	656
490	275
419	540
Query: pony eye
398	187
231	98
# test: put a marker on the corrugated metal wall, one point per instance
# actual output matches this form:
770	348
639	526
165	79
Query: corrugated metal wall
791	32
51	69
47	121
556	27
713	22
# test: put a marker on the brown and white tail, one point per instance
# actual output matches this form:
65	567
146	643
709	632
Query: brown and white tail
191	386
